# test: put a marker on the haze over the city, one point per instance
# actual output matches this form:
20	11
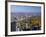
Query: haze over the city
25	9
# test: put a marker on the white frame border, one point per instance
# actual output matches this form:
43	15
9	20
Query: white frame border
25	32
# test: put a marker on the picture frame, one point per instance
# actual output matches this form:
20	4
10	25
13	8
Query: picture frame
16	6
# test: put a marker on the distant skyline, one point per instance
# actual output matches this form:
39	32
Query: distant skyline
18	8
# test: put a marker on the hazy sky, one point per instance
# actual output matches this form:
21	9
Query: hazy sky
17	8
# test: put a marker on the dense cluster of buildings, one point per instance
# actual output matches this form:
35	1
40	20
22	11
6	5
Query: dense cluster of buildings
17	19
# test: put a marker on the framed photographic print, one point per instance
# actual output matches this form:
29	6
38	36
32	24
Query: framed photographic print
24	18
